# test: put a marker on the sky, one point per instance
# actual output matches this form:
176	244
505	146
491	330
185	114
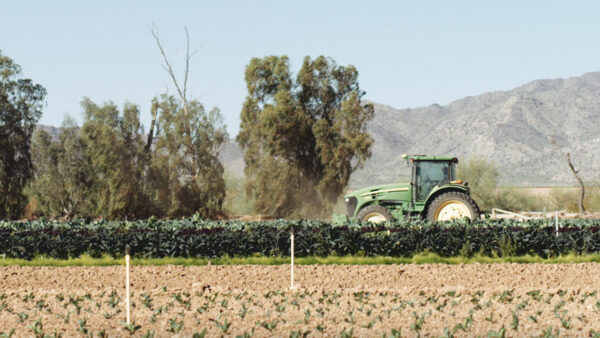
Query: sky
408	53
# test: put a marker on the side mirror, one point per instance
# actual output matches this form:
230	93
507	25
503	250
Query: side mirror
405	157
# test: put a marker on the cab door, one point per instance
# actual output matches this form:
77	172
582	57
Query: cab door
427	175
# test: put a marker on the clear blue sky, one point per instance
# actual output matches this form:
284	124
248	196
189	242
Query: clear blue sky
408	53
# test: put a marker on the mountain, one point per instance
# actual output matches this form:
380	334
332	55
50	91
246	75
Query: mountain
509	127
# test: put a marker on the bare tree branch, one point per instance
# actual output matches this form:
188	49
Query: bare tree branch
575	174
169	69
578	178
187	61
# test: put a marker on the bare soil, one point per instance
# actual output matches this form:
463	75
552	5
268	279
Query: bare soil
366	301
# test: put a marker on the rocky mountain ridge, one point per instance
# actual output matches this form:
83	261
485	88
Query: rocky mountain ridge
512	127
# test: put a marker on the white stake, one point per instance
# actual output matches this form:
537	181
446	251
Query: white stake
127	283
556	222
292	252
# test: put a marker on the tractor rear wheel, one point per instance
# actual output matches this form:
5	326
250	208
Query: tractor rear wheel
374	214
452	205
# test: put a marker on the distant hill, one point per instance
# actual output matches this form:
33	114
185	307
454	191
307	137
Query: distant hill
511	127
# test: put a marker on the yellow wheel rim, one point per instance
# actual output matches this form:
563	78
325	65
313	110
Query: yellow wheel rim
450	210
374	217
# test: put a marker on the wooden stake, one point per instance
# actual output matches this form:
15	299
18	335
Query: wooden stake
292	254
127	302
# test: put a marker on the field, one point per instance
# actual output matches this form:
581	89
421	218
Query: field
213	292
328	300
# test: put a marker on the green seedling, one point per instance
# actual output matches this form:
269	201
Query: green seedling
447	333
37	328
131	327
350	319
175	326
497	334
243	310
396	333
515	321
299	334
147	301
269	325
369	325
201	334
223	326
82	326
8	334
347	334
22	316
418	323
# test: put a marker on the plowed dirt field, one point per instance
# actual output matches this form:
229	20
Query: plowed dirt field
364	301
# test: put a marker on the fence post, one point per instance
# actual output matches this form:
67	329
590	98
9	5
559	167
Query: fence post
127	301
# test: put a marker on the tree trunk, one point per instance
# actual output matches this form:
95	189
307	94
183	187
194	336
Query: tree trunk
581	186
154	111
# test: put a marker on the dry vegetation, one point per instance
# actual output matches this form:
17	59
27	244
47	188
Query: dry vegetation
484	175
551	198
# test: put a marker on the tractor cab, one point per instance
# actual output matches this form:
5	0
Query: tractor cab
433	193
429	172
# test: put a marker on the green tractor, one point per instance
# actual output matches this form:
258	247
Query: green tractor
433	193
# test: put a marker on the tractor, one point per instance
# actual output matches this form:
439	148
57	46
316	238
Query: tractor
433	193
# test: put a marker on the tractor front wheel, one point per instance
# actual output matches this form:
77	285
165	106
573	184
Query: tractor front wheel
452	205
374	214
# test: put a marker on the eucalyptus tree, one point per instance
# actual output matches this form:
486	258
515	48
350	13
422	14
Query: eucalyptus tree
21	103
304	136
186	168
61	182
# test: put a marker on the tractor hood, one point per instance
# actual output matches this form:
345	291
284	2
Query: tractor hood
380	189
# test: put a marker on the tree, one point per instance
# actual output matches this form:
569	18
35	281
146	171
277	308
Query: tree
186	169
21	103
302	138
61	180
116	160
100	169
483	176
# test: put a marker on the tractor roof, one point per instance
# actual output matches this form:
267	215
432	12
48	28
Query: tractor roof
429	158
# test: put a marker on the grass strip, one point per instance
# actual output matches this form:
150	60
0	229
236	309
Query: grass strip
425	258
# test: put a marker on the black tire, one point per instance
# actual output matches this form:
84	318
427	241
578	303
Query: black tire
436	212
374	211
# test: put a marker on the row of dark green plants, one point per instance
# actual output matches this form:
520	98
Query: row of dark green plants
196	222
196	238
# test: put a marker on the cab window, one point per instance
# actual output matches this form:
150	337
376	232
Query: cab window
432	173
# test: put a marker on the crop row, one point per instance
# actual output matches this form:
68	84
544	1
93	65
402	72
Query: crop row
189	238
304	313
195	222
